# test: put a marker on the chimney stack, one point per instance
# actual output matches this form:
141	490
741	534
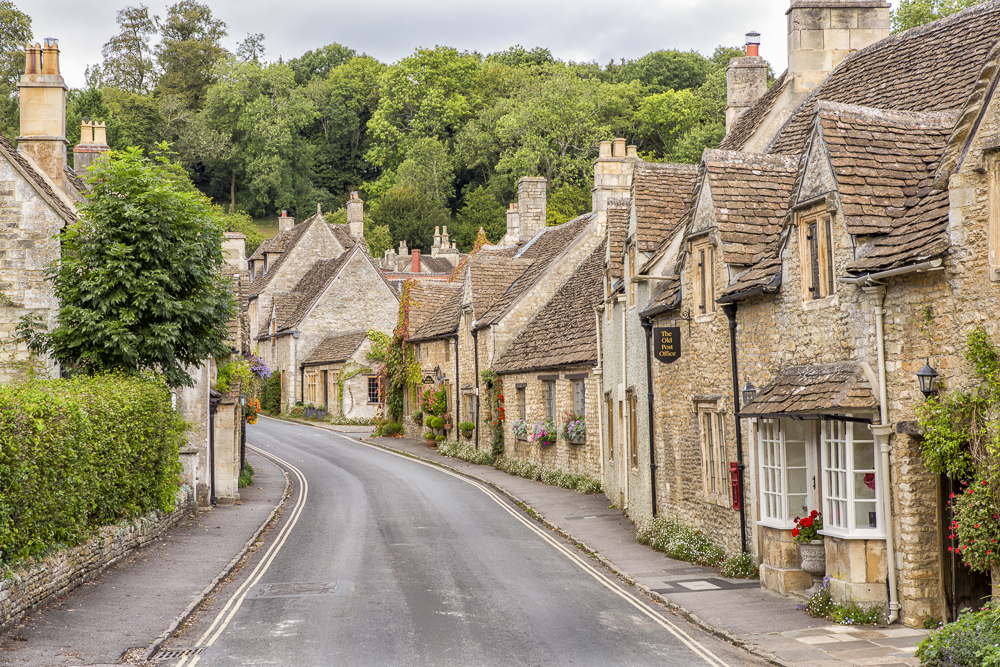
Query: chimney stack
43	110
821	33
285	222
746	80
513	234
531	202
415	261
612	175
93	144
356	216
436	246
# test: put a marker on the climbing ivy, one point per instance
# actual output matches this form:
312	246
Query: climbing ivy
961	430
495	415
394	358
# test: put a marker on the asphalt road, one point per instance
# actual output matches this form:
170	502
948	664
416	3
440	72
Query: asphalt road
379	559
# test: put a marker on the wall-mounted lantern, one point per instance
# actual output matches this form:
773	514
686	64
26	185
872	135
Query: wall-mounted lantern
749	393
928	380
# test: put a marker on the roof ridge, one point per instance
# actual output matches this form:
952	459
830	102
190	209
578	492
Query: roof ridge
731	157
943	118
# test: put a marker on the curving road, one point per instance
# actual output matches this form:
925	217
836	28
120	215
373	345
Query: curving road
379	559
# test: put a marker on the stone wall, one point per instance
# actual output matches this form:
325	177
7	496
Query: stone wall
569	457
31	587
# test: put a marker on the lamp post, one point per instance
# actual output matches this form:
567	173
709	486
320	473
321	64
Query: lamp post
927	377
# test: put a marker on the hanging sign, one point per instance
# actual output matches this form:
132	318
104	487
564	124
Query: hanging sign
667	344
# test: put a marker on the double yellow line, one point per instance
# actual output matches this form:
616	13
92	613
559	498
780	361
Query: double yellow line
225	616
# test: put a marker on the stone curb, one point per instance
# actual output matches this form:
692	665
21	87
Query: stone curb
199	597
691	617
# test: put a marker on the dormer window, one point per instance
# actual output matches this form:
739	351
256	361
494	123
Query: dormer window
703	253
816	254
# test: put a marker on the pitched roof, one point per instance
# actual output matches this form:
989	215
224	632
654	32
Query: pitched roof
881	159
750	193
564	332
311	287
662	193
920	235
819	389
426	298
342	231
930	68
764	277
37	180
665	297
74	179
282	243
491	276
542	250
618	215
748	122
261	249
285	304
336	348
444	320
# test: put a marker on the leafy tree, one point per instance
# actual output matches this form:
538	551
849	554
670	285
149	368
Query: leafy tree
242	223
567	202
428	170
128	58
137	119
518	56
15	31
912	13
319	63
661	71
189	50
251	48
138	281
481	211
665	117
723	54
429	94
409	215
248	135
689	147
379	240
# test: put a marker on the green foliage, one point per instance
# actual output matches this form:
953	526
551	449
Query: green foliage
468	453
80	453
661	71
971	641
418	418
680	542
518	56
388	428
409	216
270	394
912	13
554	477
128	58
138	280
740	566
246	476
495	415
188	50
319	63
378	239
976	527
481	211
15	31
428	170
244	224
822	605
433	401
466	426
567	202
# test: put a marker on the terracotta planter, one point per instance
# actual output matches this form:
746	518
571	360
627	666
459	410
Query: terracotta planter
813	559
431	442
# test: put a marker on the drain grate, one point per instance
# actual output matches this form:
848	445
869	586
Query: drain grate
172	654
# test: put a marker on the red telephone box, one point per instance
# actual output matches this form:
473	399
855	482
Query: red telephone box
734	481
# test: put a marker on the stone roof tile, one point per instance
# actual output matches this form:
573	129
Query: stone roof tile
662	193
817	389
336	348
37	180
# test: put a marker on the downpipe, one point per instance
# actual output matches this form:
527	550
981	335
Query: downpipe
730	310
648	326
882	432
599	374
475	380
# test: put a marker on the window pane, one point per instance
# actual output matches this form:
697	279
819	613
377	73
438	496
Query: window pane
864	485
864	456
865	515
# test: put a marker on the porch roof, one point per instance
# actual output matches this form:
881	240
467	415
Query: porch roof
815	390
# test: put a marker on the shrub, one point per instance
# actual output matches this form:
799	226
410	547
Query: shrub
418	418
388	428
822	605
680	542
740	566
434	422
246	475
970	641
80	453
429	436
270	394
466	426
530	470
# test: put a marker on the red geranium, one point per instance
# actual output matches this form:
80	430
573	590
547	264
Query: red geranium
807	529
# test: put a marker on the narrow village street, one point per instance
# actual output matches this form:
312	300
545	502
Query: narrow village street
383	560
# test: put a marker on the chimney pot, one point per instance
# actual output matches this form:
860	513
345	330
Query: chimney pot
619	148
605	149
632	151
415	261
753	43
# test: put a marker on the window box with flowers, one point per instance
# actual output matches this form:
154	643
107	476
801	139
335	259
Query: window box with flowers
574	428
543	433
520	429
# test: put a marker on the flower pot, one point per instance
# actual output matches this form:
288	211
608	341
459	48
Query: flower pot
467	435
310	413
813	559
320	414
431	443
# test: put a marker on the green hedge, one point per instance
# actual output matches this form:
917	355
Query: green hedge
80	453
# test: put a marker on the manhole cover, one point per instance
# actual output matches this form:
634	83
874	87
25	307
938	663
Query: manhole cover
173	654
293	589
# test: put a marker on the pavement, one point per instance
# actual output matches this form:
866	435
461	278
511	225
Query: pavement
130	608
737	610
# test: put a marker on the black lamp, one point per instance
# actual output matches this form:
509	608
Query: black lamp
749	393
928	380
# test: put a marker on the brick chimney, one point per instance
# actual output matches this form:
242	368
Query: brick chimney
612	175
531	201
43	110
285	222
93	144
746	80
356	216
821	33
415	261
513	234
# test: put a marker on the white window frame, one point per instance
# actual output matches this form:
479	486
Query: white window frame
773	468
837	443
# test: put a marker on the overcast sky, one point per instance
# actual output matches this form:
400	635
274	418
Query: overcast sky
581	30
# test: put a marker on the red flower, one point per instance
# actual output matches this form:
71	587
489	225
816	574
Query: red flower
813	514
795	532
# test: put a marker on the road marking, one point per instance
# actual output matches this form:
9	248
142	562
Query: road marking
696	647
234	603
